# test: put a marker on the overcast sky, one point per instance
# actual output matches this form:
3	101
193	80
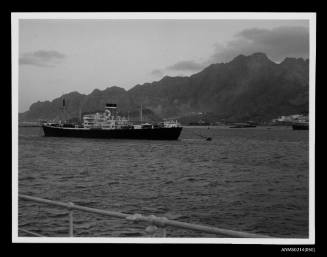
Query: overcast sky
60	56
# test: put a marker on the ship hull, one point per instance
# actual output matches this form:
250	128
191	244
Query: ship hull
151	134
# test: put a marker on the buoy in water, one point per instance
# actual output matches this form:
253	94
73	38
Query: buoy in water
206	138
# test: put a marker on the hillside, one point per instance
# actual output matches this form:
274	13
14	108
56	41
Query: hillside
247	88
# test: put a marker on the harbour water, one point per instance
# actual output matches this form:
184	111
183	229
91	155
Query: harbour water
251	179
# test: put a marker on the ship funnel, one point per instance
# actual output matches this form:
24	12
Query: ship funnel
111	109
111	106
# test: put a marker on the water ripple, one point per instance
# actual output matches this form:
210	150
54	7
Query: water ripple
253	180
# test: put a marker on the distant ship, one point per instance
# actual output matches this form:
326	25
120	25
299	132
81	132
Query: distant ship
244	125
300	126
110	125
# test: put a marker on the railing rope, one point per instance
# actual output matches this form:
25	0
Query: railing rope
155	222
157	227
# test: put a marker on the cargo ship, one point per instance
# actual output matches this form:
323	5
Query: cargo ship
109	125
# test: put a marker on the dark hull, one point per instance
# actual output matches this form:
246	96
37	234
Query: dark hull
300	127
152	134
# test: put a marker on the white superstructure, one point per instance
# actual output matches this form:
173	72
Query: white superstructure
107	120
111	120
171	124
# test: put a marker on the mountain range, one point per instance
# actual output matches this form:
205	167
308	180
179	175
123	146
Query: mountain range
247	88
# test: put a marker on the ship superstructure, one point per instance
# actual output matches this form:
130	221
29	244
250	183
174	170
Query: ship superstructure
107	120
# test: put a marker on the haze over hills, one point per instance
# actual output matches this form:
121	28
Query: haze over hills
246	88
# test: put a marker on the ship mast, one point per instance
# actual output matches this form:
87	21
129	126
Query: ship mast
141	114
80	114
64	110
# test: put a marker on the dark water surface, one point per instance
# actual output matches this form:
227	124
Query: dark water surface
253	180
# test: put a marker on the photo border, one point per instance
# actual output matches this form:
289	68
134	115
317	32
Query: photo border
311	16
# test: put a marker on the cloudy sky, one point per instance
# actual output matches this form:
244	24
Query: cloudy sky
60	56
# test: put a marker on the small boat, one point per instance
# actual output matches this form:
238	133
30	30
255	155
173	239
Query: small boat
243	125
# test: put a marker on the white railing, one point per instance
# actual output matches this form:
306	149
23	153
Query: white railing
156	228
